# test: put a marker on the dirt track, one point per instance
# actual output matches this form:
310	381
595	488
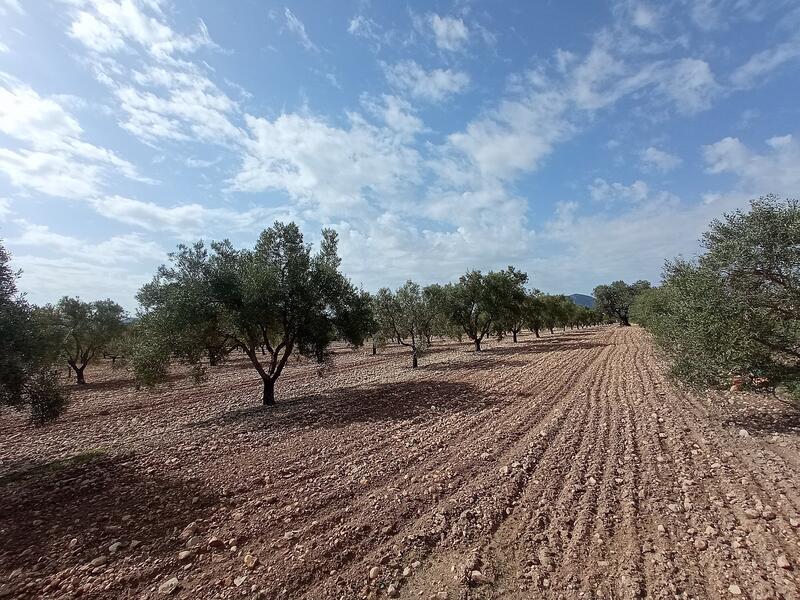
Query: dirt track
566	467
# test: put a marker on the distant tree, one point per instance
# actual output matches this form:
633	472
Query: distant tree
405	315
278	296
534	310
28	379
735	310
616	298
81	330
555	311
478	302
512	301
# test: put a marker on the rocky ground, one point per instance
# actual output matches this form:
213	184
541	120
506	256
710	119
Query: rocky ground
564	467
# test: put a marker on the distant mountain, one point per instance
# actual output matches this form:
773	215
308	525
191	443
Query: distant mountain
582	300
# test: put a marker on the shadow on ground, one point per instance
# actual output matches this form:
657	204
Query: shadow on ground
783	420
96	499
421	399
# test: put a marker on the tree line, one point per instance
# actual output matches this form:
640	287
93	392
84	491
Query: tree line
269	302
732	313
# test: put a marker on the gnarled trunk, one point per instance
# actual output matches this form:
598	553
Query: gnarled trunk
624	322
79	378
414	359
514	336
477	345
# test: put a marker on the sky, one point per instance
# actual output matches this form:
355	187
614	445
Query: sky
582	142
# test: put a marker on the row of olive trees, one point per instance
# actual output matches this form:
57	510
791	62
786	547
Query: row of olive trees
734	313
269	302
476	306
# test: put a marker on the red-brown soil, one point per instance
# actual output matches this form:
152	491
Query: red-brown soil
564	467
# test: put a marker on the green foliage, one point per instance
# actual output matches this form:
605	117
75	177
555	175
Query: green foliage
27	376
78	331
616	299
278	298
736	310
407	316
479	302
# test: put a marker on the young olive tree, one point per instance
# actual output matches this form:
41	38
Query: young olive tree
616	298
28	379
82	330
279	296
405	315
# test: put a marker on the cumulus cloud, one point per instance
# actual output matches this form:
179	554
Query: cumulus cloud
776	170
653	159
332	168
435	85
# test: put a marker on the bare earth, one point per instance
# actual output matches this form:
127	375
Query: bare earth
565	467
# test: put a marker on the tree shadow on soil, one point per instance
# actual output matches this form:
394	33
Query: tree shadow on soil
97	499
404	401
785	420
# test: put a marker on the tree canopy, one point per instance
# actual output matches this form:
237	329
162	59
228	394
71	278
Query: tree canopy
615	299
28	380
279	296
477	302
736	309
79	331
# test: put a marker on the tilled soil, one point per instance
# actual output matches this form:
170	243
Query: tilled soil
561	467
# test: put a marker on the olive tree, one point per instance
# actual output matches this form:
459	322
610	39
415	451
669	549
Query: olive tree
615	299
736	309
479	302
512	301
405	315
28	380
279	296
82	330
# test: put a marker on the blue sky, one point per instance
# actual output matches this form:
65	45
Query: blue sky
580	141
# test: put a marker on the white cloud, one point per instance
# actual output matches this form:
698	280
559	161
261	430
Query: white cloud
5	208
185	220
777	170
763	63
178	105
7	6
295	25
58	162
48	279
396	113
118	249
106	26
329	167
450	33
603	191
654	159
434	85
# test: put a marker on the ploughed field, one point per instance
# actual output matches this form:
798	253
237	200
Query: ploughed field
561	467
